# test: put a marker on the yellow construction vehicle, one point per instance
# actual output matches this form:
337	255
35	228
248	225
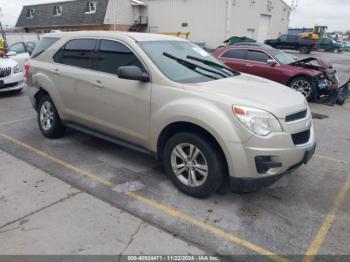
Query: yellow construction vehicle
316	34
178	34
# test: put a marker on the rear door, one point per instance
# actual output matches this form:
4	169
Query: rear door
21	55
235	58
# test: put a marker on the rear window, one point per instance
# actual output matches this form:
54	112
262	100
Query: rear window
43	45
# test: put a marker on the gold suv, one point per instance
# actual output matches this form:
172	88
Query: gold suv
212	127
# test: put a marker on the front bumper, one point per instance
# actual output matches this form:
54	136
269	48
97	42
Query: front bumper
274	155
13	82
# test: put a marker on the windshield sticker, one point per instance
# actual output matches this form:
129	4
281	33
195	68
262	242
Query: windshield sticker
200	51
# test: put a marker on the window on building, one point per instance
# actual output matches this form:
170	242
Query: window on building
57	10
235	53
77	52
30	13
112	55
90	7
257	56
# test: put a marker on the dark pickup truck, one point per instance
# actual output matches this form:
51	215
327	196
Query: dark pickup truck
293	42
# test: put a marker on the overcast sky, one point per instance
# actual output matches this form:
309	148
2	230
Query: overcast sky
334	13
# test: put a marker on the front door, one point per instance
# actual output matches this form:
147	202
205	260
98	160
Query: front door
117	106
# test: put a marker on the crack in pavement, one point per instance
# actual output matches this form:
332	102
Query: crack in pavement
132	237
41	209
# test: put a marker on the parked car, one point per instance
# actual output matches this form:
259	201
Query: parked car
11	77
330	45
346	45
168	97
311	80
21	52
292	42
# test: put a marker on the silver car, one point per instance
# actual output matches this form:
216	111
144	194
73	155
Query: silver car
212	127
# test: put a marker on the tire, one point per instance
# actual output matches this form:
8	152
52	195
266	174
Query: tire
341	100
309	90
48	119
336	50
204	154
304	50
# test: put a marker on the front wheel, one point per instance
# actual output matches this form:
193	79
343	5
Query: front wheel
304	50
48	119
194	164
304	86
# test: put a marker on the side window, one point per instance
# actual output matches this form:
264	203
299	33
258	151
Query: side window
113	54
77	52
293	38
18	48
257	56
235	53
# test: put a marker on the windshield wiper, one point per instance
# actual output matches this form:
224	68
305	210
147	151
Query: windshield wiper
193	66
213	64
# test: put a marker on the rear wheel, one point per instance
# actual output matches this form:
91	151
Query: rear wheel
48	119
194	165
304	86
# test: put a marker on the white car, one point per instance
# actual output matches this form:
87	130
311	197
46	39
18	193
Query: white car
11	76
20	52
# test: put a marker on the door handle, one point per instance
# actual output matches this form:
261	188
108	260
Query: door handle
249	65
99	84
56	72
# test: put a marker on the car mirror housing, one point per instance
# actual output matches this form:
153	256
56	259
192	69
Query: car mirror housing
132	73
271	62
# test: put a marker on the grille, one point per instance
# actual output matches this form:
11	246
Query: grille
5	71
296	116
301	138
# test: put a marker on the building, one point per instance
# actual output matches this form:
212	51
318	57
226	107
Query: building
120	15
209	22
213	21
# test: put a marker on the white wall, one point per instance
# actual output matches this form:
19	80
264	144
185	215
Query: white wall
207	18
246	15
21	37
125	13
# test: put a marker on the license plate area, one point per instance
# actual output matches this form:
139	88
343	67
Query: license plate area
2	84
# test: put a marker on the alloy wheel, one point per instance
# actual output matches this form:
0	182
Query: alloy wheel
302	86
46	115
189	165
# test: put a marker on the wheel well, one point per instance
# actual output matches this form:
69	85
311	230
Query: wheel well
301	75
177	127
38	96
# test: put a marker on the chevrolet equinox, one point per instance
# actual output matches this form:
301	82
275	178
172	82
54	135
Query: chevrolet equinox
215	129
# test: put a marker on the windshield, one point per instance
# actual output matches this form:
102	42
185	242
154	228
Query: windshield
282	57
176	60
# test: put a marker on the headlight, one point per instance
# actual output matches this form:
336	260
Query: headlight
16	69
259	121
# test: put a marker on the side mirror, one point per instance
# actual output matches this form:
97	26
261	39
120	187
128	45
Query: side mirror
11	53
132	73
271	62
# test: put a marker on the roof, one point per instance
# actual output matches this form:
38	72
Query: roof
139	37
73	13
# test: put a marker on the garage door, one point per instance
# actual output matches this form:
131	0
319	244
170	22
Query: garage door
264	27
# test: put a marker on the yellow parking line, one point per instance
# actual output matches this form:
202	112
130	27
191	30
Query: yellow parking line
151	203
327	223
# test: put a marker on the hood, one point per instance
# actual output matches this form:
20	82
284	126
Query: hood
7	62
252	91
324	64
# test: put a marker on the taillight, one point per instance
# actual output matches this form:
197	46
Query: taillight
26	69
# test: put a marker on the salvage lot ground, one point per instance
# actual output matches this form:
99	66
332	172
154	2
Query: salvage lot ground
306	212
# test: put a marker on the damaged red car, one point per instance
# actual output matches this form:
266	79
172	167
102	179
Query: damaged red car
311	76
